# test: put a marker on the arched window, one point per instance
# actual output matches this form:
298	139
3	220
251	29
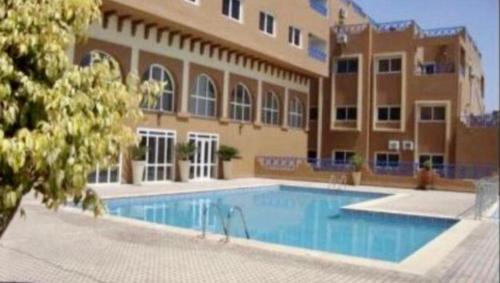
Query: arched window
96	56
165	101
241	104
202	101
270	109
295	113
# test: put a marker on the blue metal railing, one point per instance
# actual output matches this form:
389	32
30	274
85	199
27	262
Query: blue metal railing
481	121
408	169
319	6
317	54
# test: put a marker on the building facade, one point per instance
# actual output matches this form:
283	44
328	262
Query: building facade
238	73
397	95
310	78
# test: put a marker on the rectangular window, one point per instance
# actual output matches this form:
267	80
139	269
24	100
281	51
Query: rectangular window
313	113
389	113
232	9
389	65
346	113
342	157
429	68
266	23
437	160
294	36
432	113
387	160
347	66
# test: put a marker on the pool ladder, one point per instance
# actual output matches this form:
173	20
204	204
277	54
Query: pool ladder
226	223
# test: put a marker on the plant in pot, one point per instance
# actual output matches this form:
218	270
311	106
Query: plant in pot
227	154
138	157
184	151
426	176
357	162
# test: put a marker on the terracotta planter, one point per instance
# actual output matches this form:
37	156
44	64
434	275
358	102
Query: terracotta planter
184	170
356	178
138	171
426	179
227	168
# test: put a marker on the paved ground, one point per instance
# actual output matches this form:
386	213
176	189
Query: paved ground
70	247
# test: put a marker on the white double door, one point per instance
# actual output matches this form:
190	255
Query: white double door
204	161
160	154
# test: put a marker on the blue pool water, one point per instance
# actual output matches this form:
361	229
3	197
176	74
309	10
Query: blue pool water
293	216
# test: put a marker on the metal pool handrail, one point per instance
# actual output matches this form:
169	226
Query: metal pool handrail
230	214
218	211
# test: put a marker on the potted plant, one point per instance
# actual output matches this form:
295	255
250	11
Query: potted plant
227	154
184	151
357	162
138	157
426	176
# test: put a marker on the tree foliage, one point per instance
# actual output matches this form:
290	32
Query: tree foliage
58	120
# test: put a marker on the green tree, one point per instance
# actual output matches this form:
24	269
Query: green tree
58	120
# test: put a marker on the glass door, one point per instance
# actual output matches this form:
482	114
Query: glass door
159	157
204	162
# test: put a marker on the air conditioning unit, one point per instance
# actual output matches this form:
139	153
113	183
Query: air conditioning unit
408	145
342	38
393	145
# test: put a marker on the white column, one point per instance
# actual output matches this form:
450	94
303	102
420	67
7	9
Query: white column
285	109
258	104
70	52
185	89
225	96
320	118
134	61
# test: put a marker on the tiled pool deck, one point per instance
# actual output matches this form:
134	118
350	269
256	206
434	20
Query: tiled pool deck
73	247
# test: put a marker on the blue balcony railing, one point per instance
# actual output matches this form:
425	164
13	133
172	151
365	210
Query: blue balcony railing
319	6
317	54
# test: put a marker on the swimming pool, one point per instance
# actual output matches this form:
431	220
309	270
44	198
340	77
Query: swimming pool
294	216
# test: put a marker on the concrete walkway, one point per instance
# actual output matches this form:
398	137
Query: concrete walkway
73	247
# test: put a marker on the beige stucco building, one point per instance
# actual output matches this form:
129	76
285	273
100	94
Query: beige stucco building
263	76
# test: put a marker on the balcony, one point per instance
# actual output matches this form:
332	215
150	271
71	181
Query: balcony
435	69
317	53
319	6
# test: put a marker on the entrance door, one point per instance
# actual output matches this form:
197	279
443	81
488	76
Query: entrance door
159	157
204	162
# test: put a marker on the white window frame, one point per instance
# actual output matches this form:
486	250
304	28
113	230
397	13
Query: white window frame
346	107
167	134
203	96
387	154
296	113
292	30
274	110
266	19
213	166
230	9
389	108
433	119
431	155
166	76
345	153
241	105
390	65
108	170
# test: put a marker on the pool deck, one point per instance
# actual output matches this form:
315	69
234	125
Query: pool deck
70	246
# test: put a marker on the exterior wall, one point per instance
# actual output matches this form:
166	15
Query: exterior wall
136	54
477	145
410	89
206	18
